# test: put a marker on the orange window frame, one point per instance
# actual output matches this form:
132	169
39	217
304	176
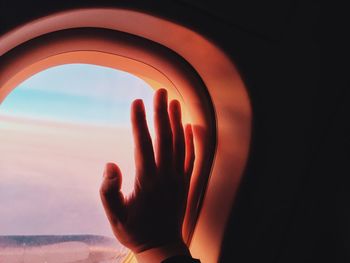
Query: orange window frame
197	73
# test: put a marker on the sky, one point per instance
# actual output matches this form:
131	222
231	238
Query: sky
78	93
57	130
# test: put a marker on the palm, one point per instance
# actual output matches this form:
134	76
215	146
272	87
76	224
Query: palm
153	214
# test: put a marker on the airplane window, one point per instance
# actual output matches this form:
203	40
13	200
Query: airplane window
201	75
57	130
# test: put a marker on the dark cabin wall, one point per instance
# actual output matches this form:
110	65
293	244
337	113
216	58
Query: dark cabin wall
293	202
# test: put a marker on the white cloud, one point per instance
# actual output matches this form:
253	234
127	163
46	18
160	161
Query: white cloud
49	180
89	80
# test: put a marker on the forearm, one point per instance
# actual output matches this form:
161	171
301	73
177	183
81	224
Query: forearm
172	253
181	259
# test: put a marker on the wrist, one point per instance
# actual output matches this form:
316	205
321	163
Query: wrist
161	253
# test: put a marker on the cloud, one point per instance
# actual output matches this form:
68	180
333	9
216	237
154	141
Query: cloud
89	80
50	177
79	93
56	134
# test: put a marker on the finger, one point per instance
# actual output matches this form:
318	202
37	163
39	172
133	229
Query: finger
178	136
164	141
144	156
111	196
190	154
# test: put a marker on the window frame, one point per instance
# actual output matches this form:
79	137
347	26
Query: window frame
205	77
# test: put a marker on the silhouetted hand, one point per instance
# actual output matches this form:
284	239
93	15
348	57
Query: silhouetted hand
151	218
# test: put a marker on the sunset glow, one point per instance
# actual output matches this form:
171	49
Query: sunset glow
57	130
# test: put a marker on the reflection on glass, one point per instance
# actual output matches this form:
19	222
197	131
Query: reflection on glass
57	130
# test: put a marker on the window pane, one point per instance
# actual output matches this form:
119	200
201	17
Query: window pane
57	130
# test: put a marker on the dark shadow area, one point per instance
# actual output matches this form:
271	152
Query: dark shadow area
293	203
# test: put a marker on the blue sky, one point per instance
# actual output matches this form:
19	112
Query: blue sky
78	93
50	174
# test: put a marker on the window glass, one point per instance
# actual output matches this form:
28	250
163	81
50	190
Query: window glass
57	130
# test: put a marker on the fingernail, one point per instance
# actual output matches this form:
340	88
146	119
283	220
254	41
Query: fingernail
139	105
110	172
139	109
163	96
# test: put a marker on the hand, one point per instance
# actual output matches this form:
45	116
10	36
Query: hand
151	217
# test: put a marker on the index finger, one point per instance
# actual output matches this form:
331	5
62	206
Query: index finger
144	155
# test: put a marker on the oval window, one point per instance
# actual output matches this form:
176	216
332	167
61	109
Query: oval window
198	73
58	129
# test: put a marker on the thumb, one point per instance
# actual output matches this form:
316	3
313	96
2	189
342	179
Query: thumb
111	196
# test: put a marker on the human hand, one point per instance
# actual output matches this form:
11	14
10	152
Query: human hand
151	218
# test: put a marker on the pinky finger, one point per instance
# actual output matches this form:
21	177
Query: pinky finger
190	154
